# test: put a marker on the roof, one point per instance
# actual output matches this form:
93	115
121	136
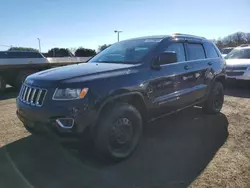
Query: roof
244	47
167	36
228	48
152	37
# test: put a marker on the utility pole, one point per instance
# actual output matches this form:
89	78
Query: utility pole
39	43
118	34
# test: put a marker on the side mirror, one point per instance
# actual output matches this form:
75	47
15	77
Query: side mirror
165	58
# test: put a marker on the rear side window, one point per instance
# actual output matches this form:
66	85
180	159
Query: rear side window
178	48
24	55
195	51
3	55
210	50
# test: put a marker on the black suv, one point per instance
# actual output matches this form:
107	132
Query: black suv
127	84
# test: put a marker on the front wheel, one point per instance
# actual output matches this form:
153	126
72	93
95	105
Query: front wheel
215	99
118	132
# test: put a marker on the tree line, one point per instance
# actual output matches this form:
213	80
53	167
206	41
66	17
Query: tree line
233	40
64	52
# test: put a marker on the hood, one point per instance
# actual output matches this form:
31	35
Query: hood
77	71
238	62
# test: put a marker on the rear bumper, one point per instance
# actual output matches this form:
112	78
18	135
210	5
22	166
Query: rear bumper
43	119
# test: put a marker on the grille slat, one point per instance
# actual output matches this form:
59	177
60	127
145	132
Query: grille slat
38	97
21	92
32	95
28	95
25	91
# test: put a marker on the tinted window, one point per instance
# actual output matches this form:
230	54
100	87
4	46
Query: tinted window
226	50
210	50
3	55
178	48
24	55
195	51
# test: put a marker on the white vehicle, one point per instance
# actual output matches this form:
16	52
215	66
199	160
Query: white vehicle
15	66
226	51
238	63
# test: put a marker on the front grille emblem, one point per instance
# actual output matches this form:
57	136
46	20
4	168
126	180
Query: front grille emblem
29	82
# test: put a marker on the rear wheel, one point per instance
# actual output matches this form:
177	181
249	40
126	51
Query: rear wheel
118	132
215	99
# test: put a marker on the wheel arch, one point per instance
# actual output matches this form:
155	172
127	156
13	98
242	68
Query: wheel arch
133	98
222	79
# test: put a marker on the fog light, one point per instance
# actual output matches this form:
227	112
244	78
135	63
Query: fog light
66	123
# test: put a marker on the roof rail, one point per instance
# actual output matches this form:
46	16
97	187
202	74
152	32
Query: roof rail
187	35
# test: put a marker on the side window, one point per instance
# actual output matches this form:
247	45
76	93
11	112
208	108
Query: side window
13	55
24	55
195	51
178	48
3	55
33	55
210	50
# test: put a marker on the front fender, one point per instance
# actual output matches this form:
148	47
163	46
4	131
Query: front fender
116	95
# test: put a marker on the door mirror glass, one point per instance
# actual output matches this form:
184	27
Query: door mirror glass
165	58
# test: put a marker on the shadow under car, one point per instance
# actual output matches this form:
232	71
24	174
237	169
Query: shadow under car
172	153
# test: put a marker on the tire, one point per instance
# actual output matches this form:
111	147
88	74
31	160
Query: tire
215	99
118	132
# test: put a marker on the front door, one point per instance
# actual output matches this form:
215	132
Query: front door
164	83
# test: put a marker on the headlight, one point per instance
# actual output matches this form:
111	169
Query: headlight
70	94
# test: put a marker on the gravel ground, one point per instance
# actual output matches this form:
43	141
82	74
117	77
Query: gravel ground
229	166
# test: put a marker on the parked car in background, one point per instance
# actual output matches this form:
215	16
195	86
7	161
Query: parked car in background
128	83
15	66
238	63
225	51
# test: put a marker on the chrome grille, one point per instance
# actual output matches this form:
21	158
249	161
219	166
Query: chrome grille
32	95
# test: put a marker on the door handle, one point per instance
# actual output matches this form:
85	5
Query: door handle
186	67
209	63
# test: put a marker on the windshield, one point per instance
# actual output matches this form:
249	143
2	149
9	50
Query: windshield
242	53
129	51
226	51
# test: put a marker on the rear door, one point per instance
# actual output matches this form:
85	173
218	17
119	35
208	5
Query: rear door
193	83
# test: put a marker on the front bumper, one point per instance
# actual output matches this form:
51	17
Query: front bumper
44	119
238	74
243	77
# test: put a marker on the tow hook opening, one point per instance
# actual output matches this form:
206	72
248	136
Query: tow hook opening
65	123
